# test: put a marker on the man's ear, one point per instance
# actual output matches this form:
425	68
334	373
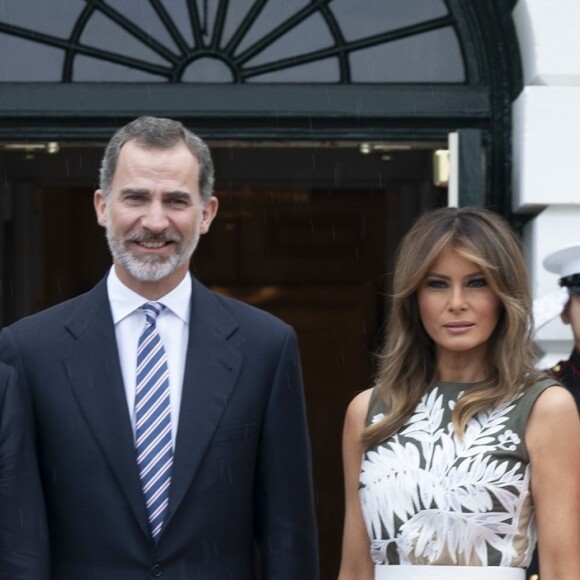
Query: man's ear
100	202
209	212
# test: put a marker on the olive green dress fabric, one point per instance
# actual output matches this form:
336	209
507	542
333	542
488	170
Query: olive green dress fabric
431	498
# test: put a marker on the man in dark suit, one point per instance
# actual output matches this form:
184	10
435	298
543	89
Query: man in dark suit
566	263
171	420
23	534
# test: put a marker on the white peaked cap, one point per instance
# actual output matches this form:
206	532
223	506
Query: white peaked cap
565	261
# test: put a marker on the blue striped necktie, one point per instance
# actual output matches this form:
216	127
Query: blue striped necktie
153	419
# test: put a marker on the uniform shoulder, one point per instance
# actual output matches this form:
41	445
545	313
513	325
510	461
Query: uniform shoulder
558	368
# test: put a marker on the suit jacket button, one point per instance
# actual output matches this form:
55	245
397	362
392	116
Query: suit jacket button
156	571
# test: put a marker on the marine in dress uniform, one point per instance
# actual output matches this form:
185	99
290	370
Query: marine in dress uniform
566	263
568	373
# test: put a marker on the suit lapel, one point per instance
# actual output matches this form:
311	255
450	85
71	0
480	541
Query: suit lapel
93	367
211	370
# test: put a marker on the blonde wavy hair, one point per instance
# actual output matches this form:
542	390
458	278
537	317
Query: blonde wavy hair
407	363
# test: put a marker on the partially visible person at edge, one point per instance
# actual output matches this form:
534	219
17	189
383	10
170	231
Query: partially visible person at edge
23	533
564	303
171	420
462	449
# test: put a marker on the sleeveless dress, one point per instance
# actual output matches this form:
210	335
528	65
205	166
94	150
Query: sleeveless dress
430	498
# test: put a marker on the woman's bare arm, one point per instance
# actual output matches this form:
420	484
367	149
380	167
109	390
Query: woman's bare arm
553	441
356	563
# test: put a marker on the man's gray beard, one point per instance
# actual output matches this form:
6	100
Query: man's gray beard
150	268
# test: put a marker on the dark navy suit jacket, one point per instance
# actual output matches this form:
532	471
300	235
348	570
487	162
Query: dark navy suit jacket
241	475
23	534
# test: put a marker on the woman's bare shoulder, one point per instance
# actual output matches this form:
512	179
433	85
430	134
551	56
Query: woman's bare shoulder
554	415
553	401
359	407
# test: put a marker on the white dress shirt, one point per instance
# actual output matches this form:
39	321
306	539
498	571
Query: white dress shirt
173	327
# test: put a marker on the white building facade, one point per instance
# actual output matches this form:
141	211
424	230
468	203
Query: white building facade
546	163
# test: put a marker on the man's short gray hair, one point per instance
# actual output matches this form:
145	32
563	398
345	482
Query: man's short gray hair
157	133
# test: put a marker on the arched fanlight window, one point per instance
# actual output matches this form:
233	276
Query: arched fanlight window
351	69
221	41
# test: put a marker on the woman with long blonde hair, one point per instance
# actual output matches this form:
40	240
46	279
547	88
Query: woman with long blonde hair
462	450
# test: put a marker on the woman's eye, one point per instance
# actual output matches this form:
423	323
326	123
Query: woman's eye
477	283
436	284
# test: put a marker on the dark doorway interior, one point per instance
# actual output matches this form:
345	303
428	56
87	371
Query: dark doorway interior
306	231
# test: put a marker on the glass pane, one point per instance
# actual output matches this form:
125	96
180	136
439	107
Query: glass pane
235	15
309	36
181	18
140	13
271	16
101	32
207	70
432	57
29	61
321	71
93	70
48	17
363	18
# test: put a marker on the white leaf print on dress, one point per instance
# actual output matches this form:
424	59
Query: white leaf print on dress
436	497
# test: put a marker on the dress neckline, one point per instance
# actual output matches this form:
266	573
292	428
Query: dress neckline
456	384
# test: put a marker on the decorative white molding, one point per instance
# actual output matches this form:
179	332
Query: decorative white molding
546	162
549	41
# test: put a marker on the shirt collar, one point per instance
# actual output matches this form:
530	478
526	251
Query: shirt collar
125	301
